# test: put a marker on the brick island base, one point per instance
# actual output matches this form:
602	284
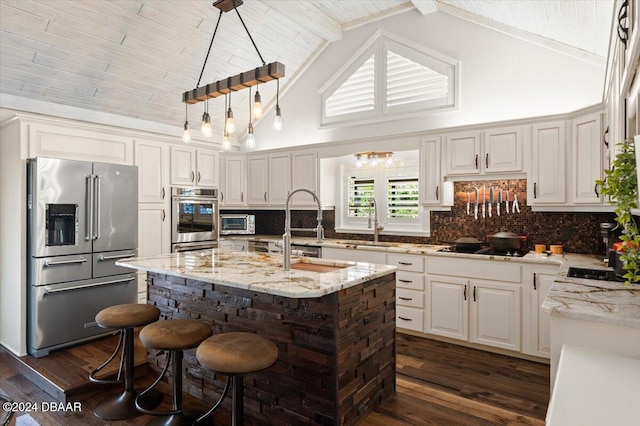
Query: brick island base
336	352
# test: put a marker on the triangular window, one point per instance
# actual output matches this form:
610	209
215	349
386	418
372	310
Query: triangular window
388	79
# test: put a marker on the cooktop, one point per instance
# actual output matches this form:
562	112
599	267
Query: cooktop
487	251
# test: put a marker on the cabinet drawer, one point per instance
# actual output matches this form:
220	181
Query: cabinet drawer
495	270
406	262
410	280
413	298
409	318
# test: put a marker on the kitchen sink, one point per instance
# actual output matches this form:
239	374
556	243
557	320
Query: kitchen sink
592	274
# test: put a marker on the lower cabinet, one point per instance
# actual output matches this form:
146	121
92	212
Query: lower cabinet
537	334
235	245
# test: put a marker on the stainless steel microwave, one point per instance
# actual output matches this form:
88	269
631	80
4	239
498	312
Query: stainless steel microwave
237	224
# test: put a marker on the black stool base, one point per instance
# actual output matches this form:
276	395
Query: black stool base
123	406
181	419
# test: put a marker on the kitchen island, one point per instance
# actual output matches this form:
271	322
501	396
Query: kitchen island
333	323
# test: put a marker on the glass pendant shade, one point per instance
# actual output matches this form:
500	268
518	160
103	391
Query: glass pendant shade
389	161
277	123
205	128
226	143
374	160
250	141
186	134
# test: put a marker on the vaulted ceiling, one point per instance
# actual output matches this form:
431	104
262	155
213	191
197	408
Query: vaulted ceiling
135	58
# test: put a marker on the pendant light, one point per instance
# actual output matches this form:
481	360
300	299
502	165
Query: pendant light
186	134
257	104
277	122
230	125
226	143
250	141
205	127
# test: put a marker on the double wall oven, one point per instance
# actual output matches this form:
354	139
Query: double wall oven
194	219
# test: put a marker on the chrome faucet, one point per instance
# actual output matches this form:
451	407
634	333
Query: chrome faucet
286	237
376	226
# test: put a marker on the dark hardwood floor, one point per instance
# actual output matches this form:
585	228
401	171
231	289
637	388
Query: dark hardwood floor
437	384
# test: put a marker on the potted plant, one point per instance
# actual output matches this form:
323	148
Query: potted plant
621	185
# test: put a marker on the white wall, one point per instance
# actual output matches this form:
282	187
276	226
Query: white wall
501	78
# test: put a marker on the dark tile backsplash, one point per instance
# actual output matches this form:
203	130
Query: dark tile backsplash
577	232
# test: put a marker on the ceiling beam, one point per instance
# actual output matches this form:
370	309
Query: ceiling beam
308	15
425	6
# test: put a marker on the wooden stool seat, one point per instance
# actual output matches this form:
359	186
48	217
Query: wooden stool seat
177	334
237	353
127	315
124	317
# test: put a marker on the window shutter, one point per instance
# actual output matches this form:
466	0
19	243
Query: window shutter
402	198
359	191
356	94
409	82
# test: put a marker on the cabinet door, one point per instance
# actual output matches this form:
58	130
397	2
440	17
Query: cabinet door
547	184
540	320
234	187
207	173
587	157
354	255
183	166
431	174
304	174
152	159
495	315
154	230
503	150
463	153
257	180
446	307
279	179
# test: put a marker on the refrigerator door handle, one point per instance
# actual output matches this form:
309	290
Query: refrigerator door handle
96	198
88	209
62	262
89	285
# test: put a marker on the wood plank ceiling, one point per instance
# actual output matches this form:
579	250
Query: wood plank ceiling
134	58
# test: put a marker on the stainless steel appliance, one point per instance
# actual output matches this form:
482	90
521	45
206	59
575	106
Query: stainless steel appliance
194	218
82	218
296	249
237	224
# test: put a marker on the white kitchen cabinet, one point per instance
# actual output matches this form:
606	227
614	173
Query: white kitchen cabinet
492	151
537	323
268	179
587	156
430	170
447	307
154	231
234	183
354	255
152	159
257	180
495	314
194	167
503	150
463	153
279	178
304	174
547	181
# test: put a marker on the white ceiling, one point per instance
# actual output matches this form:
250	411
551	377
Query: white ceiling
135	58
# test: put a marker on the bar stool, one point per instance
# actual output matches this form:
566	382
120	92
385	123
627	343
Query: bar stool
125	318
173	336
235	355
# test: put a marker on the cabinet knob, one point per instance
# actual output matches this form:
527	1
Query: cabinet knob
535	285
474	293
164	215
476	161
405	319
437	192
486	161
535	190
404	298
265	196
198	177
193	176
464	292
221	196
163	193
595	189
242	197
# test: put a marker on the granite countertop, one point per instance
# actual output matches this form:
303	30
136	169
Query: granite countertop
261	272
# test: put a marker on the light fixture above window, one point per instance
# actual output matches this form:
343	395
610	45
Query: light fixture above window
262	74
373	158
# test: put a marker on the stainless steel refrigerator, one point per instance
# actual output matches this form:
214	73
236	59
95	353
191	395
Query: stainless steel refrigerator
82	218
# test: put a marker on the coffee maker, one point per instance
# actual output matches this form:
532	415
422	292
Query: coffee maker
610	233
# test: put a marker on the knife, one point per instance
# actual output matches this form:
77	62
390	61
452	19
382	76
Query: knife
475	208
468	201
484	193
515	207
499	202
490	199
506	203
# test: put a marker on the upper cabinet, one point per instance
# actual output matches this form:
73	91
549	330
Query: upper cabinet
430	171
194	167
547	180
234	181
587	152
268	179
492	151
152	159
304	174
